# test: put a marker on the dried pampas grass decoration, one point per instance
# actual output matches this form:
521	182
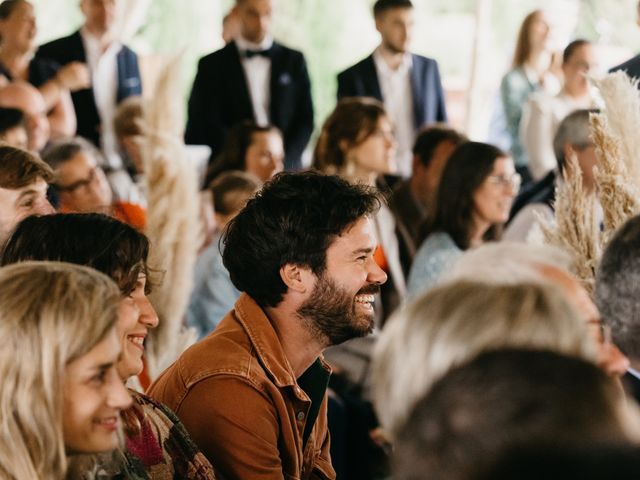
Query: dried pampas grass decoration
618	196
173	224
576	229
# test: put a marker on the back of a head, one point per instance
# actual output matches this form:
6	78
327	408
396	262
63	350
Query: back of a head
507	263
292	220
128	117
600	462
429	138
231	190
505	400
95	240
52	313
19	168
453	323
617	289
573	130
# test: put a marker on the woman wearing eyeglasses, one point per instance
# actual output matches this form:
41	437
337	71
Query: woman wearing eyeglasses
475	194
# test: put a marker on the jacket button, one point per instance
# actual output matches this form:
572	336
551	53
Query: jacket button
300	416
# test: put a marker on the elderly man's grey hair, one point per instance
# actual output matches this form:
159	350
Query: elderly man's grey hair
573	130
507	263
617	289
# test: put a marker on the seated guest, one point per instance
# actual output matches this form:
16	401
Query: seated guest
507	400
23	188
357	143
510	263
13	130
474	198
27	99
155	442
127	125
82	185
18	32
617	294
213	292
60	393
253	394
251	148
414	200
572	136
454	322
543	112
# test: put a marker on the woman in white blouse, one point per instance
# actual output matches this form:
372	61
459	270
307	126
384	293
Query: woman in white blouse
543	113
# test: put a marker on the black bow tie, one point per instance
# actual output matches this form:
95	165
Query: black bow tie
252	53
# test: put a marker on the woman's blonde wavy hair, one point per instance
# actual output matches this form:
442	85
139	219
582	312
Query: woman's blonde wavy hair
51	313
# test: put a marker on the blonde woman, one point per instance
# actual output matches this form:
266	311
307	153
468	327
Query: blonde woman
60	393
453	323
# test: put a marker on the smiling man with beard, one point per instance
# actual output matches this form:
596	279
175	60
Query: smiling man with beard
253	394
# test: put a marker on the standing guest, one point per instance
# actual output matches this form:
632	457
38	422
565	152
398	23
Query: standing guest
249	147
114	73
530	71
82	186
60	393
253	393
17	43
542	113
409	84
29	101
213	292
414	199
24	181
156	444
13	130
631	66
357	143
252	78
477	187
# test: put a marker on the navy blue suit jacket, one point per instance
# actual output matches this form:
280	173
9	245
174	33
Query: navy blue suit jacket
71	49
631	66
361	80
220	99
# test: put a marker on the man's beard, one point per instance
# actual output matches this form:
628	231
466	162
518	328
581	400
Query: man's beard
330	312
394	48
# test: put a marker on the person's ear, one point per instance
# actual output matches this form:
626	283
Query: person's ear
295	277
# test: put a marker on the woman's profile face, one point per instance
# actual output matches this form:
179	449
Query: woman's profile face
376	154
493	198
265	155
93	396
539	32
19	28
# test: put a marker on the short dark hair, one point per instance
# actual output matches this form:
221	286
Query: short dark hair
507	399
10	118
231	190
292	220
430	137
91	239
19	168
469	165
381	6
7	7
234	153
572	47
617	289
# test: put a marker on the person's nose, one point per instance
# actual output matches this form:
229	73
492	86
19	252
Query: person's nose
118	395
612	360
376	275
148	316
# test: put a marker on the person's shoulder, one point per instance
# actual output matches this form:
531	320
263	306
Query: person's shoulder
219	56
422	60
631	65
357	67
58	43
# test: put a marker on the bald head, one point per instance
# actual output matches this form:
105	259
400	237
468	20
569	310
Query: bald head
26	98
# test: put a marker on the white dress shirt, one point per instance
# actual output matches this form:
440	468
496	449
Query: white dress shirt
397	93
103	66
257	70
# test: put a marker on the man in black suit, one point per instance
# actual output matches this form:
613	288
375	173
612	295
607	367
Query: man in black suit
631	66
252	78
95	45
408	84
